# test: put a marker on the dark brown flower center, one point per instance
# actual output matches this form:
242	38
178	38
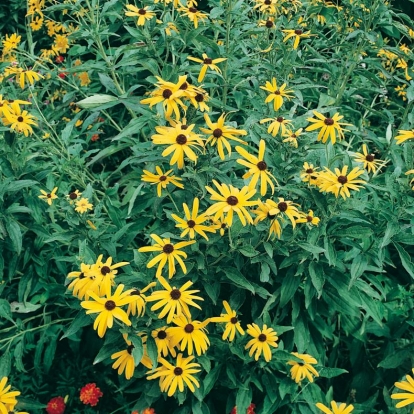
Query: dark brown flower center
232	200
130	348
181	139
199	97
175	294
301	364
217	133
161	335
234	320
110	305
168	248
178	371
329	121
298	32
105	270
163	178
309	171
189	328
82	275
280	119
262	338
166	93
73	196
208	61
184	127
191	223
135	292
142	12
282	206
293	136
20	119
262	166
277	92
309	219
267	2
223	225
192	10
184	86
49	195
342	179
370	157
269	24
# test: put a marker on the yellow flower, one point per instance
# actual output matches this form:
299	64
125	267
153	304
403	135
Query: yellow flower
83	282
108	308
174	301
143	14
401	63
49	197
292	137
267	6
84	79
61	43
401	91
263	212
302	370
329	127
207	63
137	307
284	207
309	174
163	341
230	200
298	34
190	335
83	205
309	218
161	179
369	161
192	223
220	134
19	120
177	376
412	181
262	340
36	24
257	169
11	42
180	142
231	321
23	76
269	23
193	14
339	182
407	397
73	195
336	409
404	136
276	94
7	397
171	27
168	253
278	124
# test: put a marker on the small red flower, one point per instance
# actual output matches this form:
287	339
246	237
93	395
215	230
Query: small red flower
90	394
95	137
56	406
62	75
146	411
59	59
250	410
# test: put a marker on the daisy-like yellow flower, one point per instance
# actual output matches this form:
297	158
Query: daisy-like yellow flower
193	223
219	134
36	24
276	94
292	137
298	34
231	321
262	340
335	408
339	182
257	168
73	195
309	174
170	28
309	218
10	106
19	120
402	64
7	397
401	91
176	376
180	143
161	179
267	6
174	301
169	94
207	63
193	14
83	205
83	282
191	335
143	14
168	252
329	127
269	23
404	136
49	197
369	161
163	341
412	181
286	208
263	212
218	225
84	79
407	397
200	100
137	307
108	308
230	200
61	43
11	42
105	272
302	370
278	124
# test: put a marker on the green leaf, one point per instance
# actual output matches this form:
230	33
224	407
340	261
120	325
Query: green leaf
317	277
290	285
13	229
5	310
138	350
5	364
81	320
358	267
327	372
211	379
395	360
237	278
248	251
405	259
96	100
243	397
152	350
